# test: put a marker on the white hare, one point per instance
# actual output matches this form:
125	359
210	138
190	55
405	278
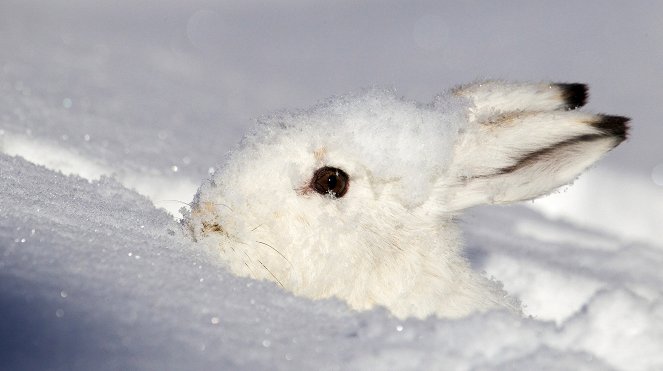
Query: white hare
356	197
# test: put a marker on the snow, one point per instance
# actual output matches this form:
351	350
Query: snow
136	103
94	276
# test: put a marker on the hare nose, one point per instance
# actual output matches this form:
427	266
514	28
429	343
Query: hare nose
211	227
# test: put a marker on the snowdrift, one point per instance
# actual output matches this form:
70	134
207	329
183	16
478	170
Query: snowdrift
93	276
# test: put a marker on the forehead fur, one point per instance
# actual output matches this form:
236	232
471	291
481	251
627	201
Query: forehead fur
391	138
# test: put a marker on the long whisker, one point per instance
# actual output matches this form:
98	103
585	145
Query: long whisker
257	227
182	202
270	272
243	261
277	251
247	255
263	265
224	205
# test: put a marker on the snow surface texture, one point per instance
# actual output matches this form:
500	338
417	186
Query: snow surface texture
155	94
93	276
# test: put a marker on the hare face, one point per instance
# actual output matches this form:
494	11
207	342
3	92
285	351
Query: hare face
355	198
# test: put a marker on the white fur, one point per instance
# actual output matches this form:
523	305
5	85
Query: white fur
489	97
391	240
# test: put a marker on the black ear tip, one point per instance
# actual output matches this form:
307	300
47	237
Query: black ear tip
574	94
617	126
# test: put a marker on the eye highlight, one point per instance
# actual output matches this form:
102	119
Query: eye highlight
330	181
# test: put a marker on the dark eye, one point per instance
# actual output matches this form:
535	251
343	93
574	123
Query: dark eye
330	181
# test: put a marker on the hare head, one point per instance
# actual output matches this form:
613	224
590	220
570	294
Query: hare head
356	197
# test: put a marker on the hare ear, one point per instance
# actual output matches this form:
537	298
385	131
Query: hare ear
519	155
491	97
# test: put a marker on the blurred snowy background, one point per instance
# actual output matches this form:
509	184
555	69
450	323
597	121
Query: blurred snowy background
154	94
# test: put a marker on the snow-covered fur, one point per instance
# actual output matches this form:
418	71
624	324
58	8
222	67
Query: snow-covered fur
356	197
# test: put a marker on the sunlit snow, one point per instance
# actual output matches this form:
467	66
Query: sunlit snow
112	114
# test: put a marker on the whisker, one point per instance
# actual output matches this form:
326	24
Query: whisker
224	205
250	260
182	202
243	261
243	251
247	255
277	251
270	272
257	227
261	263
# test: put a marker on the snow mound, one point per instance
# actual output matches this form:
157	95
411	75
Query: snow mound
93	276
